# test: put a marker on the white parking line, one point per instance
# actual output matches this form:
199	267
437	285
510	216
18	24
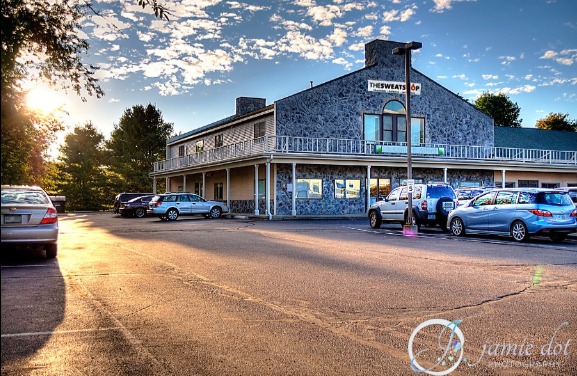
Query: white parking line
13	335
25	266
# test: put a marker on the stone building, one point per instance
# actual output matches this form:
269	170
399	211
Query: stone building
335	148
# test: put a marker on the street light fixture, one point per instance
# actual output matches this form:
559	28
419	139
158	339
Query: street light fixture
409	228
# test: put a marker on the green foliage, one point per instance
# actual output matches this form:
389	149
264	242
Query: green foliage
82	171
557	122
40	43
504	112
25	140
135	144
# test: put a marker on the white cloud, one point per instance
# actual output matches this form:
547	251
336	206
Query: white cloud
507	59
385	31
364	31
490	77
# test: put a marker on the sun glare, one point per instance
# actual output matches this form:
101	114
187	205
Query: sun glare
44	100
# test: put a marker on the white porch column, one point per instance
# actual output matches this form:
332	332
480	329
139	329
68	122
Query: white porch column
445	175
203	188
294	195
228	187
256	211
184	183
503	178
154	185
368	187
167	183
267	193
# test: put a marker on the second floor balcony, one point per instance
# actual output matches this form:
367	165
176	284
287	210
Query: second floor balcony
286	145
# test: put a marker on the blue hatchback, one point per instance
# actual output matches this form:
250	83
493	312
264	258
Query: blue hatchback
518	212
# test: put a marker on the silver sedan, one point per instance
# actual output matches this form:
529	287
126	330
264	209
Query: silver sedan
29	219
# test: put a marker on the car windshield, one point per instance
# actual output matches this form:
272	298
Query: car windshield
24	197
553	198
440	191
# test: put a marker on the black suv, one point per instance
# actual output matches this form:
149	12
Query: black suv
431	206
123	198
137	207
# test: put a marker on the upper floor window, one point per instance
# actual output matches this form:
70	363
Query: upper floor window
259	130
181	151
218	141
391	125
199	146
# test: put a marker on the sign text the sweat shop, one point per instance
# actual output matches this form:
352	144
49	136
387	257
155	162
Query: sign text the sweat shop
393	87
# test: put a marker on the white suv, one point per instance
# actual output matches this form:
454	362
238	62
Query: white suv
431	206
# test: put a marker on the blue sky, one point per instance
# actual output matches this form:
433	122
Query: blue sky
193	67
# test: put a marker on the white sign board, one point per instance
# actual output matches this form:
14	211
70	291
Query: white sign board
394	87
410	185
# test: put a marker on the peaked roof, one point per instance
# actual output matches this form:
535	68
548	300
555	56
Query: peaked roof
533	138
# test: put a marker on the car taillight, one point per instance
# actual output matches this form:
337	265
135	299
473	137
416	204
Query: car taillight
424	205
51	216
574	213
158	203
541	213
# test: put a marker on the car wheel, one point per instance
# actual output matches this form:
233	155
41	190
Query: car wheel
172	214
140	213
457	226
519	231
215	212
374	220
557	238
51	251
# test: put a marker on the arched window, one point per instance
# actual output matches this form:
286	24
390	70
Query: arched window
394	107
391	125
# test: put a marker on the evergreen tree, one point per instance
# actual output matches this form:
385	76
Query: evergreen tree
136	142
83	177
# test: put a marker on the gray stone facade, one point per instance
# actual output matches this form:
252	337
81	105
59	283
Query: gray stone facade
328	205
335	109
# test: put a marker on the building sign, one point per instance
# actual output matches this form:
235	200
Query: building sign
393	87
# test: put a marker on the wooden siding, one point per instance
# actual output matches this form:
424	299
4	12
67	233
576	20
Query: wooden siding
231	135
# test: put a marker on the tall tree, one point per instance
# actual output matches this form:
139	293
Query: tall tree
83	177
505	113
557	122
42	43
136	142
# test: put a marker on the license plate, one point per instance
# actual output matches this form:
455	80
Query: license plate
447	205
12	219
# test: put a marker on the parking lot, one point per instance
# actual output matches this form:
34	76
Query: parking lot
255	297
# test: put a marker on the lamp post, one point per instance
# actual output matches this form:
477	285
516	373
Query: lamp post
409	228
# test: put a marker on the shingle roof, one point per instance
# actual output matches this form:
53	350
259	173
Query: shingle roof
533	138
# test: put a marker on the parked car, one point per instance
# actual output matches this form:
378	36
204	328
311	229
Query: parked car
29	219
169	206
572	193
137	207
465	194
518	212
123	198
431	206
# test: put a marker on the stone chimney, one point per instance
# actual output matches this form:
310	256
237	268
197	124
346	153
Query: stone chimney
381	52
244	105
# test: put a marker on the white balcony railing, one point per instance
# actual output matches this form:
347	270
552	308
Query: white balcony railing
351	147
